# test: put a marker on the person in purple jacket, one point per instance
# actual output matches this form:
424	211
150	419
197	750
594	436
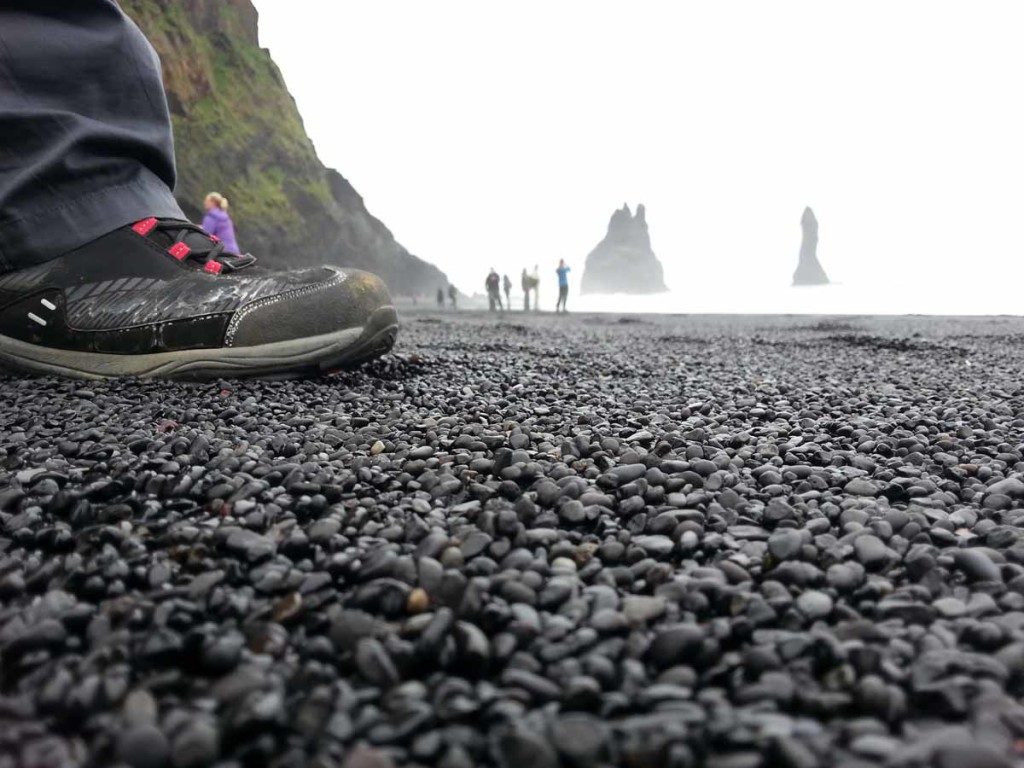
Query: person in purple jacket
216	222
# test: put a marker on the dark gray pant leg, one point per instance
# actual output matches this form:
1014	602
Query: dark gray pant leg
85	133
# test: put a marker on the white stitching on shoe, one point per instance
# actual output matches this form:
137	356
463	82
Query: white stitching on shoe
240	315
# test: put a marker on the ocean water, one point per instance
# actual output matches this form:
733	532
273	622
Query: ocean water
946	289
967	297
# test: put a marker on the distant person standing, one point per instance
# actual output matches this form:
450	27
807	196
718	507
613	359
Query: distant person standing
453	296
563	286
527	287
507	285
536	288
440	298
493	285
216	222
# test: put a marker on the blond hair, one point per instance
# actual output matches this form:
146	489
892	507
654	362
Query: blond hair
219	200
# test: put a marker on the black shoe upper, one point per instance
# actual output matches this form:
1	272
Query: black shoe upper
161	286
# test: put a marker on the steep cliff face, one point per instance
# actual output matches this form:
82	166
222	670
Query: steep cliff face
809	270
237	131
623	262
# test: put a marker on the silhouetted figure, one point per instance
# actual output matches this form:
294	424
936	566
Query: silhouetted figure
440	298
493	284
453	296
808	270
536	288
563	286
507	285
527	287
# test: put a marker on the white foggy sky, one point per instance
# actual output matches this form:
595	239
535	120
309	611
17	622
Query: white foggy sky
487	133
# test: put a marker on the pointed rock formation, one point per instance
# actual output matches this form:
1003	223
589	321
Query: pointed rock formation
623	262
809	271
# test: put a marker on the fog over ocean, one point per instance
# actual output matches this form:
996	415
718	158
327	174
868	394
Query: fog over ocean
732	296
785	299
522	127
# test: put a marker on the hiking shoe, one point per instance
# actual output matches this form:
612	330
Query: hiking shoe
162	298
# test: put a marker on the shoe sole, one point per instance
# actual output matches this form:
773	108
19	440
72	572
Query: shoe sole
285	359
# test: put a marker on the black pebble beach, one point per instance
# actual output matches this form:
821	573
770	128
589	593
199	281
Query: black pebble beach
529	542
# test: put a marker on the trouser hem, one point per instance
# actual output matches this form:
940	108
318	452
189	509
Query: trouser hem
59	229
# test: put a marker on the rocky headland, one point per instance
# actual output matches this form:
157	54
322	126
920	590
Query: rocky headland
238	131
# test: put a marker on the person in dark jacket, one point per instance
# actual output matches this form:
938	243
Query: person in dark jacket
493	285
507	285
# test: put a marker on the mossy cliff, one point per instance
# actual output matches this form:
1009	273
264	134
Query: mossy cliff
237	130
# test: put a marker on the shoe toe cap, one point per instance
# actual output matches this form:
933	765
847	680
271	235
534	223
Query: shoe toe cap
346	298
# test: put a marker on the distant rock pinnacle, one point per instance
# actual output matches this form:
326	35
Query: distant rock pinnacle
809	271
623	262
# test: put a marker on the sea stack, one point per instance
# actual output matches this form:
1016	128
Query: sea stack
809	271
623	262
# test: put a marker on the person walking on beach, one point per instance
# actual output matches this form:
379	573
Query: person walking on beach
507	285
536	287
218	223
101	272
493	285
440	298
527	287
563	286
452	296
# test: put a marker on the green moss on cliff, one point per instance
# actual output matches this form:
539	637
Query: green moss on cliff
236	128
238	131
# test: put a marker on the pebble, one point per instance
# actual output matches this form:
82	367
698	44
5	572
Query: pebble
640	609
143	746
365	756
573	511
977	566
860	487
871	552
950	607
418	601
563	564
674	644
195	746
374	663
659	546
785	544
1011	486
814	605
580	738
516	747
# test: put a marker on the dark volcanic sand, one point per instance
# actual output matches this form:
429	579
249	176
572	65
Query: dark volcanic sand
532	543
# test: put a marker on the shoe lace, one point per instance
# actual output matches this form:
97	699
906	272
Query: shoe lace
190	241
